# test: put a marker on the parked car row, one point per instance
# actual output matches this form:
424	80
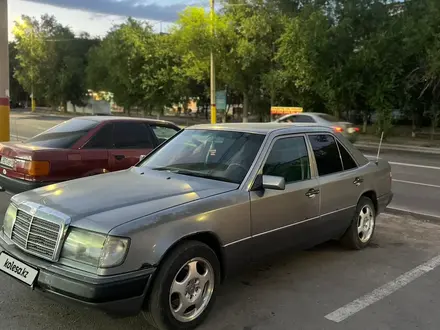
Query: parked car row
160	236
78	148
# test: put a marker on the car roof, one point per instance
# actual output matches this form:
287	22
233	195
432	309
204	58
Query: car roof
312	114
101	119
263	128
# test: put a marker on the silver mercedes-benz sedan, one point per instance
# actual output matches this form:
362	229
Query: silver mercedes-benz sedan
161	236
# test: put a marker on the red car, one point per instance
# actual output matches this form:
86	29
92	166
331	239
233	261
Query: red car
78	148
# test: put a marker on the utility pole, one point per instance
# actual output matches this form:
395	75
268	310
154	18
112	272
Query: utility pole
32	82
4	72
213	105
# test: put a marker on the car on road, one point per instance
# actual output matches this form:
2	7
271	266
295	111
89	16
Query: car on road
161	236
345	128
79	147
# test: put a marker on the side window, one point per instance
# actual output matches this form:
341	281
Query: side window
132	135
304	119
103	139
347	160
289	158
326	154
290	119
163	133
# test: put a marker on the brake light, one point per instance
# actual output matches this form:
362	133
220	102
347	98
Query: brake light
356	129
33	168
338	129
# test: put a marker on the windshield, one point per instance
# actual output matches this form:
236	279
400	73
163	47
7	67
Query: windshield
63	135
217	155
328	118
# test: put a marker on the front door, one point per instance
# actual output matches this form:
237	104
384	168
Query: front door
281	219
131	141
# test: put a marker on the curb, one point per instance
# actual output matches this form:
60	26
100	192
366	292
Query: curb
425	150
425	216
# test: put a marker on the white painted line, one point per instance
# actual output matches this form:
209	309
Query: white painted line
407	164
414	213
415	165
417	183
357	305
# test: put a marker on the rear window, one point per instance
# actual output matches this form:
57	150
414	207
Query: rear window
328	118
64	135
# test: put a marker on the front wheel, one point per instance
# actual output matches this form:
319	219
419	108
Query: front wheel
361	229
184	290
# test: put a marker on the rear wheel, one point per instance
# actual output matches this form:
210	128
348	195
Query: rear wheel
361	229
184	290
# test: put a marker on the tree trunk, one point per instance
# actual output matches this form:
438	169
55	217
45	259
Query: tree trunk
364	126
413	119
225	114
245	107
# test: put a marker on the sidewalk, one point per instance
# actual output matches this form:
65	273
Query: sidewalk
400	144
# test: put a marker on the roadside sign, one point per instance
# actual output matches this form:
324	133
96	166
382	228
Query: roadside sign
220	100
285	110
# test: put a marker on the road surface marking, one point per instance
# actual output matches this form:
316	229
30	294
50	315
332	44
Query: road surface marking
417	183
415	165
378	294
413	213
407	164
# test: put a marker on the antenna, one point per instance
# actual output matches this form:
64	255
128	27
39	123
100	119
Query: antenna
378	150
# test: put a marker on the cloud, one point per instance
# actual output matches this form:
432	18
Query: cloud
133	8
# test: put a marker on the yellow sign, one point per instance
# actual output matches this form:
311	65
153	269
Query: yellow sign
285	110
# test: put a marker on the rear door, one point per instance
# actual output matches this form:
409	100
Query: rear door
94	155
132	140
339	180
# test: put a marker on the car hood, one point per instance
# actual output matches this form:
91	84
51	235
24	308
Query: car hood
105	201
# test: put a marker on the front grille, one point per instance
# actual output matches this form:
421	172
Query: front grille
36	235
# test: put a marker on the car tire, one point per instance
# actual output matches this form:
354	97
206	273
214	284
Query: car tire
174	275
362	226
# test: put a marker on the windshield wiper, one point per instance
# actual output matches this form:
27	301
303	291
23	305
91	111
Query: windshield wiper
192	173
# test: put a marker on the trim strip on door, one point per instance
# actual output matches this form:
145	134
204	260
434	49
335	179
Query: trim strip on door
287	226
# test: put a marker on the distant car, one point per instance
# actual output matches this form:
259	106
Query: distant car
163	234
345	128
79	147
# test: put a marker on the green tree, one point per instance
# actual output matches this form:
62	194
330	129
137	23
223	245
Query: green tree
51	60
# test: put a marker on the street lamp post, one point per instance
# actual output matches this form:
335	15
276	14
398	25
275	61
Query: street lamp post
4	72
213	105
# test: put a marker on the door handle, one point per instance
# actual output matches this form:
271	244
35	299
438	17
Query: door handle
311	193
119	157
358	181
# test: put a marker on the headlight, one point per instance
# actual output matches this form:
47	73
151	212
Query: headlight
94	249
8	222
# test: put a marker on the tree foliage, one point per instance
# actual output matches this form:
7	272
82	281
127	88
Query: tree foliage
351	58
51	60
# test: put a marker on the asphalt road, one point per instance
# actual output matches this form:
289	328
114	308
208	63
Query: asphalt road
416	181
386	286
393	284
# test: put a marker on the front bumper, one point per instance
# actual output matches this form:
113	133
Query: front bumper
16	186
117	294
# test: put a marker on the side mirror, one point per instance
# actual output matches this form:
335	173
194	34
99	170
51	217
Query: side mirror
274	182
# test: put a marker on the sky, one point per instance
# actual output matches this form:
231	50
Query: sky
98	16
